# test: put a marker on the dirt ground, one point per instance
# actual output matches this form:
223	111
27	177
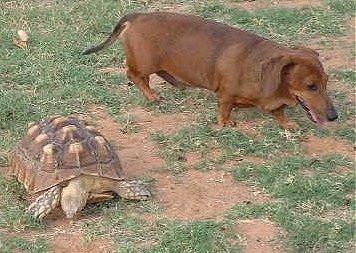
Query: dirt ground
260	236
190	196
194	194
74	243
325	146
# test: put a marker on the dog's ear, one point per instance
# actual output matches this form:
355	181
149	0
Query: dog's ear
272	73
307	50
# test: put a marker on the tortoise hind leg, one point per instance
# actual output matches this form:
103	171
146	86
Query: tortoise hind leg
45	203
99	197
134	189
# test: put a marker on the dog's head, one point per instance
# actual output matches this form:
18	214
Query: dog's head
300	76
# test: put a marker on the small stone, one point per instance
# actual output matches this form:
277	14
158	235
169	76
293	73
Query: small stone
23	39
23	35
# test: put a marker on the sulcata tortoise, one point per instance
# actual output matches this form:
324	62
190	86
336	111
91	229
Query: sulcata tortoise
71	163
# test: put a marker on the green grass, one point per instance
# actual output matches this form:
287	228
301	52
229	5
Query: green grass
201	137
53	62
128	232
316	209
198	236
286	25
347	134
16	244
305	233
283	179
345	75
345	7
132	234
13	214
303	199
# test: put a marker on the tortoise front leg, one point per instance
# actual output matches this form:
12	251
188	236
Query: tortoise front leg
74	197
45	203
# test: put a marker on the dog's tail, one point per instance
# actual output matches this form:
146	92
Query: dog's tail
113	36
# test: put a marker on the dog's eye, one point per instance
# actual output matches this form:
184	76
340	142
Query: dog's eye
312	87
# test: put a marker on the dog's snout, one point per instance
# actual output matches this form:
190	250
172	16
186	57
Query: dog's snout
332	113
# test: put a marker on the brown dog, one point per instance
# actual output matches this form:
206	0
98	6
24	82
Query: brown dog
243	69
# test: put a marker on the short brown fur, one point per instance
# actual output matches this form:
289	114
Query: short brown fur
243	69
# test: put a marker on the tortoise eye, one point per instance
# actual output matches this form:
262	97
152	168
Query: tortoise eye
312	87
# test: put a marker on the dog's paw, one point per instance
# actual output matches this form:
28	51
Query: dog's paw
154	97
227	123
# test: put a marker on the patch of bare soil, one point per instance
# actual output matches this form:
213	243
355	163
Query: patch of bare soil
261	236
316	146
164	123
193	195
253	159
247	127
136	151
138	154
263	4
337	51
74	243
337	56
193	158
198	195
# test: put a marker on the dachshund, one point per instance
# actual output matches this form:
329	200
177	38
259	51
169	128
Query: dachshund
243	69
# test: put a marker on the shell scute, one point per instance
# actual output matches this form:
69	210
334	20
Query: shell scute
69	132
103	149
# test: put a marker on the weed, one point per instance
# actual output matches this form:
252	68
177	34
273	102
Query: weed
305	233
14	244
13	207
345	75
198	236
286	25
347	134
345	7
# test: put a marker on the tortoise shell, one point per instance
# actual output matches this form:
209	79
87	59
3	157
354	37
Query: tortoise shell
59	149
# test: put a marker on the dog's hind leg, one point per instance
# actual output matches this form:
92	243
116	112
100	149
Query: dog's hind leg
225	107
142	81
170	79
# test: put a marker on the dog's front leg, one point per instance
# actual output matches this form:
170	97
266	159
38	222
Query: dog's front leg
225	108
283	120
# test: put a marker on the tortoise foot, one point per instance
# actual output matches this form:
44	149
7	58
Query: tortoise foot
133	189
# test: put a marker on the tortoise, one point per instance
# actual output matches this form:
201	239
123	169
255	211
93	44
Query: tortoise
64	160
